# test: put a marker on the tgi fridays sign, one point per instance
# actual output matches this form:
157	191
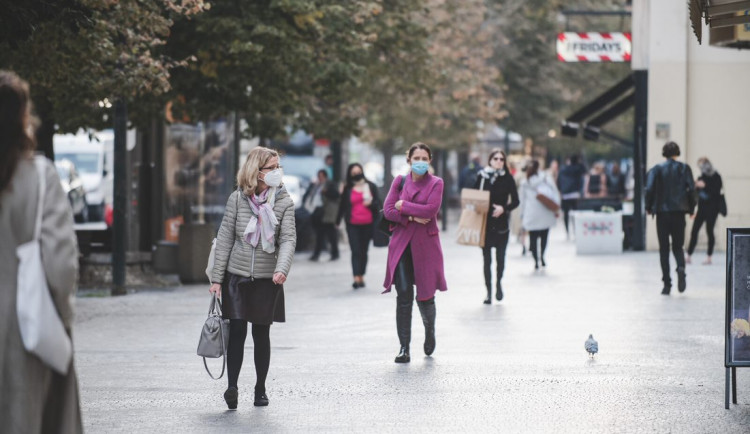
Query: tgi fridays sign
593	47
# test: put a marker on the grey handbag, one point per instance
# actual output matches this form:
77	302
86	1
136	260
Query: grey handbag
214	336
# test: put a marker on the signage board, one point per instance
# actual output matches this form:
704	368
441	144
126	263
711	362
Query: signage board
737	333
594	47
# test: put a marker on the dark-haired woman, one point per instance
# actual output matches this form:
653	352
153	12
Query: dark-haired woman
415	257
359	205
35	399
503	199
709	187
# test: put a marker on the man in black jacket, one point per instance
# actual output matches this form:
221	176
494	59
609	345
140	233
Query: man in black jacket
670	194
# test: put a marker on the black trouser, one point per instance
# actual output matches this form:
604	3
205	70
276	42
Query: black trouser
326	232
670	225
567	206
499	242
709	217
537	235
236	352
359	241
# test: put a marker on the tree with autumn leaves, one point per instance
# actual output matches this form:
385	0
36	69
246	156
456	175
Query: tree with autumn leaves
395	71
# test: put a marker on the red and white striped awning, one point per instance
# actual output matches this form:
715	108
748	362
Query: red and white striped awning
594	47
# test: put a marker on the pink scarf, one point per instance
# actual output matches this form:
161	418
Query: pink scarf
263	222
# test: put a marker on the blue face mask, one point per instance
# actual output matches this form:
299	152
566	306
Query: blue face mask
420	167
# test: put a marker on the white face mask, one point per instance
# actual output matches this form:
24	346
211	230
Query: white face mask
273	178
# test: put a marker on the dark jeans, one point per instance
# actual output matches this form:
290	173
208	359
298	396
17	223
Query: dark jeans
499	242
326	232
670	225
568	205
236	352
710	219
533	248
359	241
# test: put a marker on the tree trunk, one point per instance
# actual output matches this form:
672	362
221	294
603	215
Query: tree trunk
45	132
387	164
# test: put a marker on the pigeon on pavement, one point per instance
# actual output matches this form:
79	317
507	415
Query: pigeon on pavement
591	345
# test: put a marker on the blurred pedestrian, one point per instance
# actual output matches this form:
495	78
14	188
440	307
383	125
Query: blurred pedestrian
595	185
35	399
553	171
359	205
570	183
469	172
537	219
503	199
321	200
709	187
415	257
329	166
616	182
670	194
254	252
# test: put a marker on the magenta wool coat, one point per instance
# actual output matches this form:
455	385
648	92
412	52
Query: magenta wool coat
421	199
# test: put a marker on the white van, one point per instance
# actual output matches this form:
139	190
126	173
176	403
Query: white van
93	157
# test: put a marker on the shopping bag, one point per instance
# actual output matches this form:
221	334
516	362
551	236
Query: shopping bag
471	227
548	196
478	200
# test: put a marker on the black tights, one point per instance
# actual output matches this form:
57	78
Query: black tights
710	219
236	352
535	235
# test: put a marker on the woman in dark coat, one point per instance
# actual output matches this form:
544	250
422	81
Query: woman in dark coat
359	206
503	199
709	187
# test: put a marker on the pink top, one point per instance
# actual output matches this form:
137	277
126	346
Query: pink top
361	215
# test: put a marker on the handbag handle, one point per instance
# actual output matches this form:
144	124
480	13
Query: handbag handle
215	307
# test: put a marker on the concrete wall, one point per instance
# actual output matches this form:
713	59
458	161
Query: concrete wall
703	93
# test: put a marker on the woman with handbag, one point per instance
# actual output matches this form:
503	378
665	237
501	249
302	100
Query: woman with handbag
503	199
415	257
254	252
710	204
358	208
537	217
36	397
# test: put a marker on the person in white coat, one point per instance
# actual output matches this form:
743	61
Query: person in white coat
536	218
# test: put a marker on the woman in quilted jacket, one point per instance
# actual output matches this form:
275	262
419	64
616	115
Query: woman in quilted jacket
254	252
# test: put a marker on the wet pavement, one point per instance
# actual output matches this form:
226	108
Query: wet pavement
514	366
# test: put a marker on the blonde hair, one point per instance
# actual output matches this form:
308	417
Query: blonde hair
247	177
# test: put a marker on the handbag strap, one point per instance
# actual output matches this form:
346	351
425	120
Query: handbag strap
40	164
215	306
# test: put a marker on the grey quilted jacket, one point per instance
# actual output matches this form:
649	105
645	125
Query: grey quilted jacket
237	256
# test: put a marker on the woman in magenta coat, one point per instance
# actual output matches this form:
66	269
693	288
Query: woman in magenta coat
413	209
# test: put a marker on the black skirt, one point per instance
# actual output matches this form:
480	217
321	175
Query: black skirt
259	301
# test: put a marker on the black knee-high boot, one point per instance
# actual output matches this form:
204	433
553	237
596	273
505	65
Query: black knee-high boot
404	281
428	312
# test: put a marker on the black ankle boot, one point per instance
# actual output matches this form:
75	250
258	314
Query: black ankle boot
427	309
403	355
488	299
499	294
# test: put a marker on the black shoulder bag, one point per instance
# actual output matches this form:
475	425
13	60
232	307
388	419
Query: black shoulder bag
384	225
